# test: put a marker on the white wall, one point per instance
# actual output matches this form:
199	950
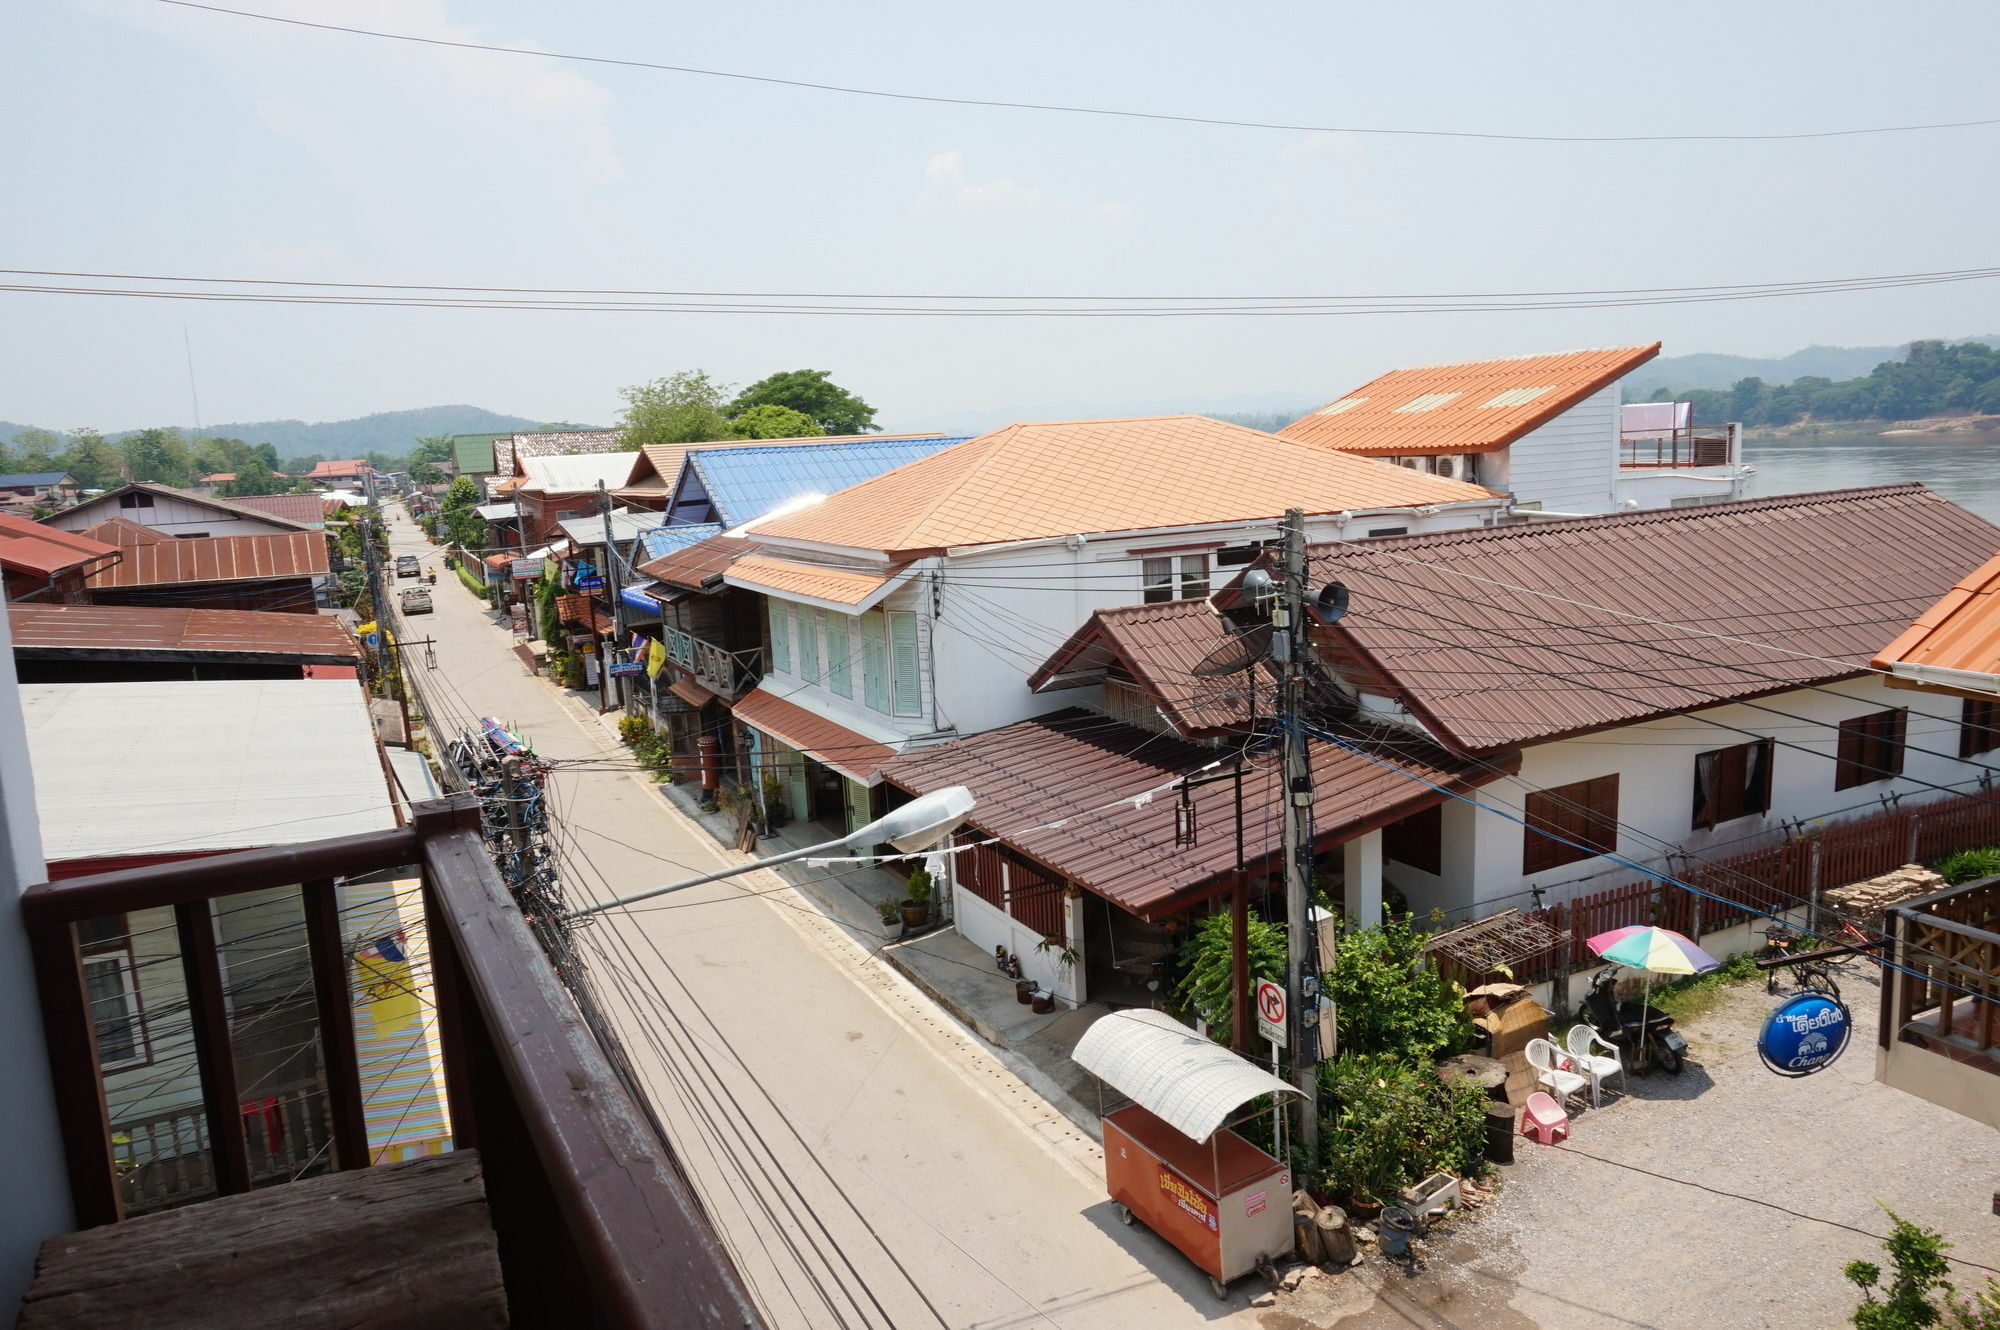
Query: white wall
1654	762
32	1177
169	517
1569	464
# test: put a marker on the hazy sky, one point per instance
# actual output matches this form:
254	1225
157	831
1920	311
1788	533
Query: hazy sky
146	138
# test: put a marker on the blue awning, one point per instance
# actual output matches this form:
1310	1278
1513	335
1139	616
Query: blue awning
635	598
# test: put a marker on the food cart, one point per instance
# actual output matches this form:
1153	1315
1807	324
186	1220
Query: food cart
1169	1158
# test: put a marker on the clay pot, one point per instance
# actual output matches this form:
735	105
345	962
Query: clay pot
1042	1002
1024	991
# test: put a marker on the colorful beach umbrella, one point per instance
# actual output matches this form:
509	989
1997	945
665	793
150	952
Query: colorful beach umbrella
1644	947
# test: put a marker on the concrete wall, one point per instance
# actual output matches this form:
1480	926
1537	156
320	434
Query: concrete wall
986	926
1569	464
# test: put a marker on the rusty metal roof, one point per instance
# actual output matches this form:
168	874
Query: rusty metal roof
293	554
1548	644
98	632
580	611
1960	634
43	550
705	559
123	532
825	741
1055	768
1158	648
305	509
1472	407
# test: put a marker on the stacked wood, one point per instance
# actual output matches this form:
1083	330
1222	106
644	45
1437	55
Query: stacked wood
1864	902
1323	1235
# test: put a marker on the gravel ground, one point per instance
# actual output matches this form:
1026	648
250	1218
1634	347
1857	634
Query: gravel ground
1578	1244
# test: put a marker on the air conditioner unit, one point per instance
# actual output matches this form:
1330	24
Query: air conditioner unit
1409	462
1446	467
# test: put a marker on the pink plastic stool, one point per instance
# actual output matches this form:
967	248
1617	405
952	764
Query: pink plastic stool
1544	1119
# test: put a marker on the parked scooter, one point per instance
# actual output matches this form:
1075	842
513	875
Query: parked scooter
1660	1045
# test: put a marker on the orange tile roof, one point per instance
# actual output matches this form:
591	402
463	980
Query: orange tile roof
838	586
826	742
1471	407
1960	632
1031	481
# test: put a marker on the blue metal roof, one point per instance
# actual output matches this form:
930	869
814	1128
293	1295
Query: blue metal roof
26	478
745	483
661	541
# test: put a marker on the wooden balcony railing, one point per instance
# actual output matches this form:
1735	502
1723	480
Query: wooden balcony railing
1708	446
1946	982
593	1223
727	674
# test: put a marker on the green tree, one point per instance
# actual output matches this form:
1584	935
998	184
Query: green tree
36	450
1920	1269
267	453
92	459
1207	956
158	455
770	421
681	408
254	479
1389	997
431	448
298	466
459	514
426	473
209	456
810	393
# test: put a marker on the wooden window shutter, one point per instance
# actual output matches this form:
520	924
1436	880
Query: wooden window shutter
904	663
875	660
781	635
839	649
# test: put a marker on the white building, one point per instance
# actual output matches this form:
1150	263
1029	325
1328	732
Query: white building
172	512
1549	431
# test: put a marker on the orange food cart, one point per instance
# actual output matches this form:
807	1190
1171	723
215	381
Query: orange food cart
1171	1161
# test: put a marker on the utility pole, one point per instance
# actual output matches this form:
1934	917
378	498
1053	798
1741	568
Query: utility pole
1289	624
617	607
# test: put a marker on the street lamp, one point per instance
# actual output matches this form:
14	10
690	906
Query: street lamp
917	825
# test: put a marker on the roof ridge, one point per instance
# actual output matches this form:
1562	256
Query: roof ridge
965	477
1530	355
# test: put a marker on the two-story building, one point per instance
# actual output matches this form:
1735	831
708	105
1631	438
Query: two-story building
1549	431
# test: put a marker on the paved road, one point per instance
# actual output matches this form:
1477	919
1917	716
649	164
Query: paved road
868	1162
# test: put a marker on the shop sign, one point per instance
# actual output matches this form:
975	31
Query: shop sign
1188	1199
625	669
1806	1034
526	570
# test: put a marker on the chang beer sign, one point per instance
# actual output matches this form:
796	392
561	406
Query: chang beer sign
1805	1034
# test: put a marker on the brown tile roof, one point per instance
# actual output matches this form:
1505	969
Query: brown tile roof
837	586
352	466
1071	762
705	559
853	755
294	554
1472	407
101	631
124	532
583	612
30	547
1960	632
1548	644
1029	481
1158	648
305	509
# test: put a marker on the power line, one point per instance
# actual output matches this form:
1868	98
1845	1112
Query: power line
1057	108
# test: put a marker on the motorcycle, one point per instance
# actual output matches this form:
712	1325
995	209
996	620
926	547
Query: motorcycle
1658	1045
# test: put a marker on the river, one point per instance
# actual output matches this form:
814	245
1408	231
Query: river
1964	468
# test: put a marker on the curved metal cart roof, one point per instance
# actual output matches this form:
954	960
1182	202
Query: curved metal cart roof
1190	1083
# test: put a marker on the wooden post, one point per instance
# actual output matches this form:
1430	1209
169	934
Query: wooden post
71	1038
328	951
215	1053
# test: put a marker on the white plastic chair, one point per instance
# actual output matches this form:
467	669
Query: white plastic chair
1542	1057
1593	1064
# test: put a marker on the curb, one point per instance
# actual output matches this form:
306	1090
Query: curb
929	990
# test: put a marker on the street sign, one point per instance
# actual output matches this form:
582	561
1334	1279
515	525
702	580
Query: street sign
1271	1011
1806	1034
624	669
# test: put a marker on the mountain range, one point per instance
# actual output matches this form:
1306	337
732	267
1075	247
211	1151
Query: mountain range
385	431
1710	370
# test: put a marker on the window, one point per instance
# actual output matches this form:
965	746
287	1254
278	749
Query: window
811	626
1417	840
135	499
839	650
1388	531
1732	782
1234	556
190	535
781	636
875	660
1871	748
1167	578
906	688
1570	823
114	1009
1979	726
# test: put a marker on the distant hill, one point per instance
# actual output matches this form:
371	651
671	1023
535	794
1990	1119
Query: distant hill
385	431
1707	370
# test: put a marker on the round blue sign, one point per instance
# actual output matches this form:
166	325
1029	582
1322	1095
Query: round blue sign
1805	1034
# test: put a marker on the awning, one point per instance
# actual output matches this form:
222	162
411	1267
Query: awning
853	755
1190	1083
498	512
690	692
640	598
832	586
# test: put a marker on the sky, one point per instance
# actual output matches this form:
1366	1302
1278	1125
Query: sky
141	137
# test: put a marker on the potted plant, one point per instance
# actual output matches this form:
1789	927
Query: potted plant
1024	990
776	812
1042	1002
892	917
1065	954
917	909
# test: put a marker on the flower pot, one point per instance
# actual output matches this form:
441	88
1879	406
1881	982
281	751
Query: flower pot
1362	1209
891	929
915	915
1042	1002
1024	990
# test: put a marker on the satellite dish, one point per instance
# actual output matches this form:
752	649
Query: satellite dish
1239	653
1331	604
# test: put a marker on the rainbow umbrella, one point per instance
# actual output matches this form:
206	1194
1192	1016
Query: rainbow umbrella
1644	947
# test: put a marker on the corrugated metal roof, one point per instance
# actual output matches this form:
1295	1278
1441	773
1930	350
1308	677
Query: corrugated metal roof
1961	632
1186	1080
1030	481
124	532
171	767
123	630
308	510
625	527
472	454
836	586
660	466
30	547
497	512
704	559
661	541
20	480
745	483
1488	666
852	754
1157	647
1042	770
581	611
1471	407
575	474
338	469
108	502
216	559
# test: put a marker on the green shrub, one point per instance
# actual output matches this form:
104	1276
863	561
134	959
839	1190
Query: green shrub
1385	1123
1970	865
1206	959
1391	999
632	728
1920	1269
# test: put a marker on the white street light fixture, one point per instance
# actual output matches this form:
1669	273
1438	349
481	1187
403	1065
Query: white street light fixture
917	825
